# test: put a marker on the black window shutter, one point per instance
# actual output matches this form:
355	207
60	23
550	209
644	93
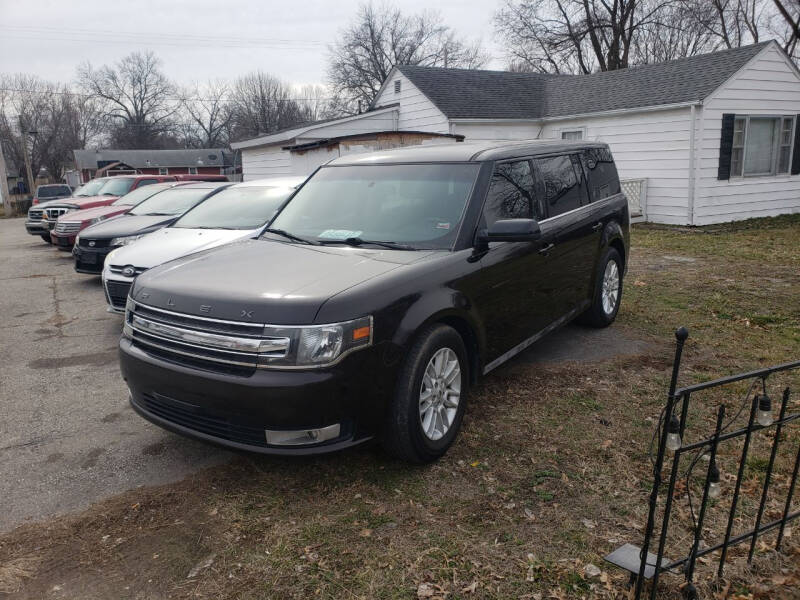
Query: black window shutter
725	146
796	152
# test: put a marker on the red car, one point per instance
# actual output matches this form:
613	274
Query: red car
115	187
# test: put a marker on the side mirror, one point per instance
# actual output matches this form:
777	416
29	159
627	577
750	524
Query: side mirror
512	230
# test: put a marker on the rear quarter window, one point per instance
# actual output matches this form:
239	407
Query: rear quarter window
602	173
563	184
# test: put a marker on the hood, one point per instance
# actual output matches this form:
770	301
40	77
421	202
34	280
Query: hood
264	281
170	243
82	203
126	224
87	214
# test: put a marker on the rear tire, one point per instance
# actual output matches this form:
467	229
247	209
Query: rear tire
430	397
46	238
607	291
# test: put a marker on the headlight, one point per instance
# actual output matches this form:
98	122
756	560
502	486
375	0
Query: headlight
124	241
317	345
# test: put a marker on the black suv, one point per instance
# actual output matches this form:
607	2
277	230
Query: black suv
382	289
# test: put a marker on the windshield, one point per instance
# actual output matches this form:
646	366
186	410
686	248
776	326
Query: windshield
416	205
117	186
175	201
91	187
51	191
236	208
140	194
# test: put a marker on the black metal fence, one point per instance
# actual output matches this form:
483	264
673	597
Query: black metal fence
671	430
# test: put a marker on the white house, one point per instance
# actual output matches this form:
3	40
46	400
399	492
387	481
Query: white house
699	140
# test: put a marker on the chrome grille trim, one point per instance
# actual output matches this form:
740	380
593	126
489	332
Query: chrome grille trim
257	327
54	213
211	341
118	269
273	347
68	226
141	338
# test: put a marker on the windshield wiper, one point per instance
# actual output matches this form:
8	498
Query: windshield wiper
291	236
357	241
158	214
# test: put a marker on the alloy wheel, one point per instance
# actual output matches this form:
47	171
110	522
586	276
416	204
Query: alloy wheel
440	393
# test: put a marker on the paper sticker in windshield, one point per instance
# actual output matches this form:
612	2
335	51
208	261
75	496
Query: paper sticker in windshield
340	234
443	226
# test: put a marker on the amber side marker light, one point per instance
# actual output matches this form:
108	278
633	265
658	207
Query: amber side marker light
361	333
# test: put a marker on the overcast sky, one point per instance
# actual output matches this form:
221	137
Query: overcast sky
200	39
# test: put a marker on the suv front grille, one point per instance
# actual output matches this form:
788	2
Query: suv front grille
35	214
54	213
210	344
68	227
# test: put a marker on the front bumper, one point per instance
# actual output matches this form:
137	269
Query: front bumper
63	241
36	227
89	260
235	411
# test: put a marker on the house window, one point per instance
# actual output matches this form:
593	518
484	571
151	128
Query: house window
397	87
163	171
192	170
572	135
761	145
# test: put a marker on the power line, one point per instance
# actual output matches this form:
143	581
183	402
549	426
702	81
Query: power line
174	40
173	98
170	35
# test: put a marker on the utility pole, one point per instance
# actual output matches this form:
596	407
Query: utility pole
5	195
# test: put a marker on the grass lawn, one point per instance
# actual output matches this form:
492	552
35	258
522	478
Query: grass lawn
551	471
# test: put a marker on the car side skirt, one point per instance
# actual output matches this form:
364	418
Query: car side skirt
536	337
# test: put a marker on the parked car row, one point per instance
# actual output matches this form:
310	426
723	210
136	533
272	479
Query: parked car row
294	317
43	215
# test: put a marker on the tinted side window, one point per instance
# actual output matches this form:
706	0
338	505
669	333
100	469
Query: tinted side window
511	194
147	182
603	178
563	186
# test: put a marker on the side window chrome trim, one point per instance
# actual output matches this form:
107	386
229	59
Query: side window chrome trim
594	204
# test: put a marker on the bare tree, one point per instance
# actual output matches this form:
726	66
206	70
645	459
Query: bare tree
42	123
23	114
575	36
137	99
261	104
316	101
381	37
787	25
206	115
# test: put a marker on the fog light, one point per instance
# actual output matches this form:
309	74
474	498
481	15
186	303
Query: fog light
301	437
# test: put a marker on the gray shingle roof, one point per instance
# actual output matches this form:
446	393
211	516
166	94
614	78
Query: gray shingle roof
469	93
88	159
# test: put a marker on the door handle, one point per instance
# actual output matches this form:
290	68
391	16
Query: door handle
546	249
597	226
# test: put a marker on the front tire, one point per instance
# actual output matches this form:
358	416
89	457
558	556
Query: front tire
430	397
46	238
607	291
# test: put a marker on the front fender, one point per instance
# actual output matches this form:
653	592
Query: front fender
442	305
